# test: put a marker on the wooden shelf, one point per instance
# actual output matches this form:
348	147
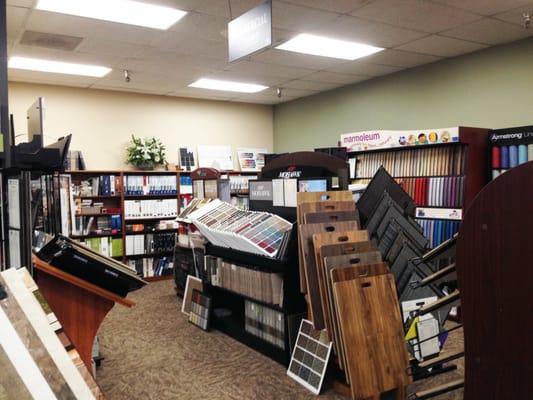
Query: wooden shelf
103	197
149	196
155	231
96	235
149	255
148	218
98	214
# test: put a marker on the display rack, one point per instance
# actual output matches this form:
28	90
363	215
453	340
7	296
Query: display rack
442	177
117	202
509	148
301	166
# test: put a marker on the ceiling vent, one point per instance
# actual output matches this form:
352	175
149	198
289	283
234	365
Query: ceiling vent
50	40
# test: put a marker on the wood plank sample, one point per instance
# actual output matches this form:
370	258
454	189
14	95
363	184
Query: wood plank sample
369	316
327	238
321	201
306	233
331	216
343	261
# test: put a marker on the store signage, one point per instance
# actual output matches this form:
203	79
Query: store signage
250	32
261	191
380	139
439	213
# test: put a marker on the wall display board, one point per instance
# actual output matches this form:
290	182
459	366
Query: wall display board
250	159
218	157
188	160
510	147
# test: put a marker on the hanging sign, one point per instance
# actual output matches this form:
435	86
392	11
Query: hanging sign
250	32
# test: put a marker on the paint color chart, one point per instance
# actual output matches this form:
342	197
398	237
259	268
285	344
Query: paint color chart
254	232
200	310
310	357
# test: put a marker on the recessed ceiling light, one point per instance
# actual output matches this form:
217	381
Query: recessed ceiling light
327	47
228	86
122	11
35	64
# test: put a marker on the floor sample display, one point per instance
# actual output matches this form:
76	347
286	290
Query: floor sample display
369	316
306	232
192	284
310	357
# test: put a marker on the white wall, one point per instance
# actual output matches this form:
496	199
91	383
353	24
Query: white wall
102	122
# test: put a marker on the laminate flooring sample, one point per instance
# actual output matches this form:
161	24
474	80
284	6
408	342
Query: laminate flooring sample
316	202
343	261
306	233
369	316
327	238
331	216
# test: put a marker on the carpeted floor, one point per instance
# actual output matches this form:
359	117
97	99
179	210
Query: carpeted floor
152	352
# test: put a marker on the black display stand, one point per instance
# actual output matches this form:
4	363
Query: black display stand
301	165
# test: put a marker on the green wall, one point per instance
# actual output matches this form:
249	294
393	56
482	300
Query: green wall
492	88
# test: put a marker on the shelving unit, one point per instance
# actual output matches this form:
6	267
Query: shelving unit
117	200
430	174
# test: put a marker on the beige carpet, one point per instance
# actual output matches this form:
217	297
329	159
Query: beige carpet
152	352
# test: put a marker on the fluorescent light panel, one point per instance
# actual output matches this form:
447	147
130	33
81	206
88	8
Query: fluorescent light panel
58	67
322	46
228	86
122	11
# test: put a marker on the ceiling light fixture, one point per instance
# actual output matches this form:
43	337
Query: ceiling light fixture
122	11
58	67
327	47
228	86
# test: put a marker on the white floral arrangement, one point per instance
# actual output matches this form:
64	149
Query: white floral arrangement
145	153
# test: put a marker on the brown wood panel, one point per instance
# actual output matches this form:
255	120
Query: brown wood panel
336	262
369	316
494	271
340	249
306	233
331	216
320	239
315	202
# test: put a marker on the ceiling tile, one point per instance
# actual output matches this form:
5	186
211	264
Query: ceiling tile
260	69
369	32
204	26
516	16
110	47
310	85
415	14
398	58
122	85
358	67
220	7
173	59
338	6
441	46
324	76
261	98
49	22
18	75
484	7
292	59
489	31
203	93
15	21
288	92
194	46
297	18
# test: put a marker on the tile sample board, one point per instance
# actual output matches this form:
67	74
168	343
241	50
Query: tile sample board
305	235
315	202
370	320
192	284
310	357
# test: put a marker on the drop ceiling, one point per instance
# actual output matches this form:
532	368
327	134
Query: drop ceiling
414	32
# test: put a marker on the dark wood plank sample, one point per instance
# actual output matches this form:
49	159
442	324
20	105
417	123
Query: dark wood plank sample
331	216
315	202
320	239
369	316
306	233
